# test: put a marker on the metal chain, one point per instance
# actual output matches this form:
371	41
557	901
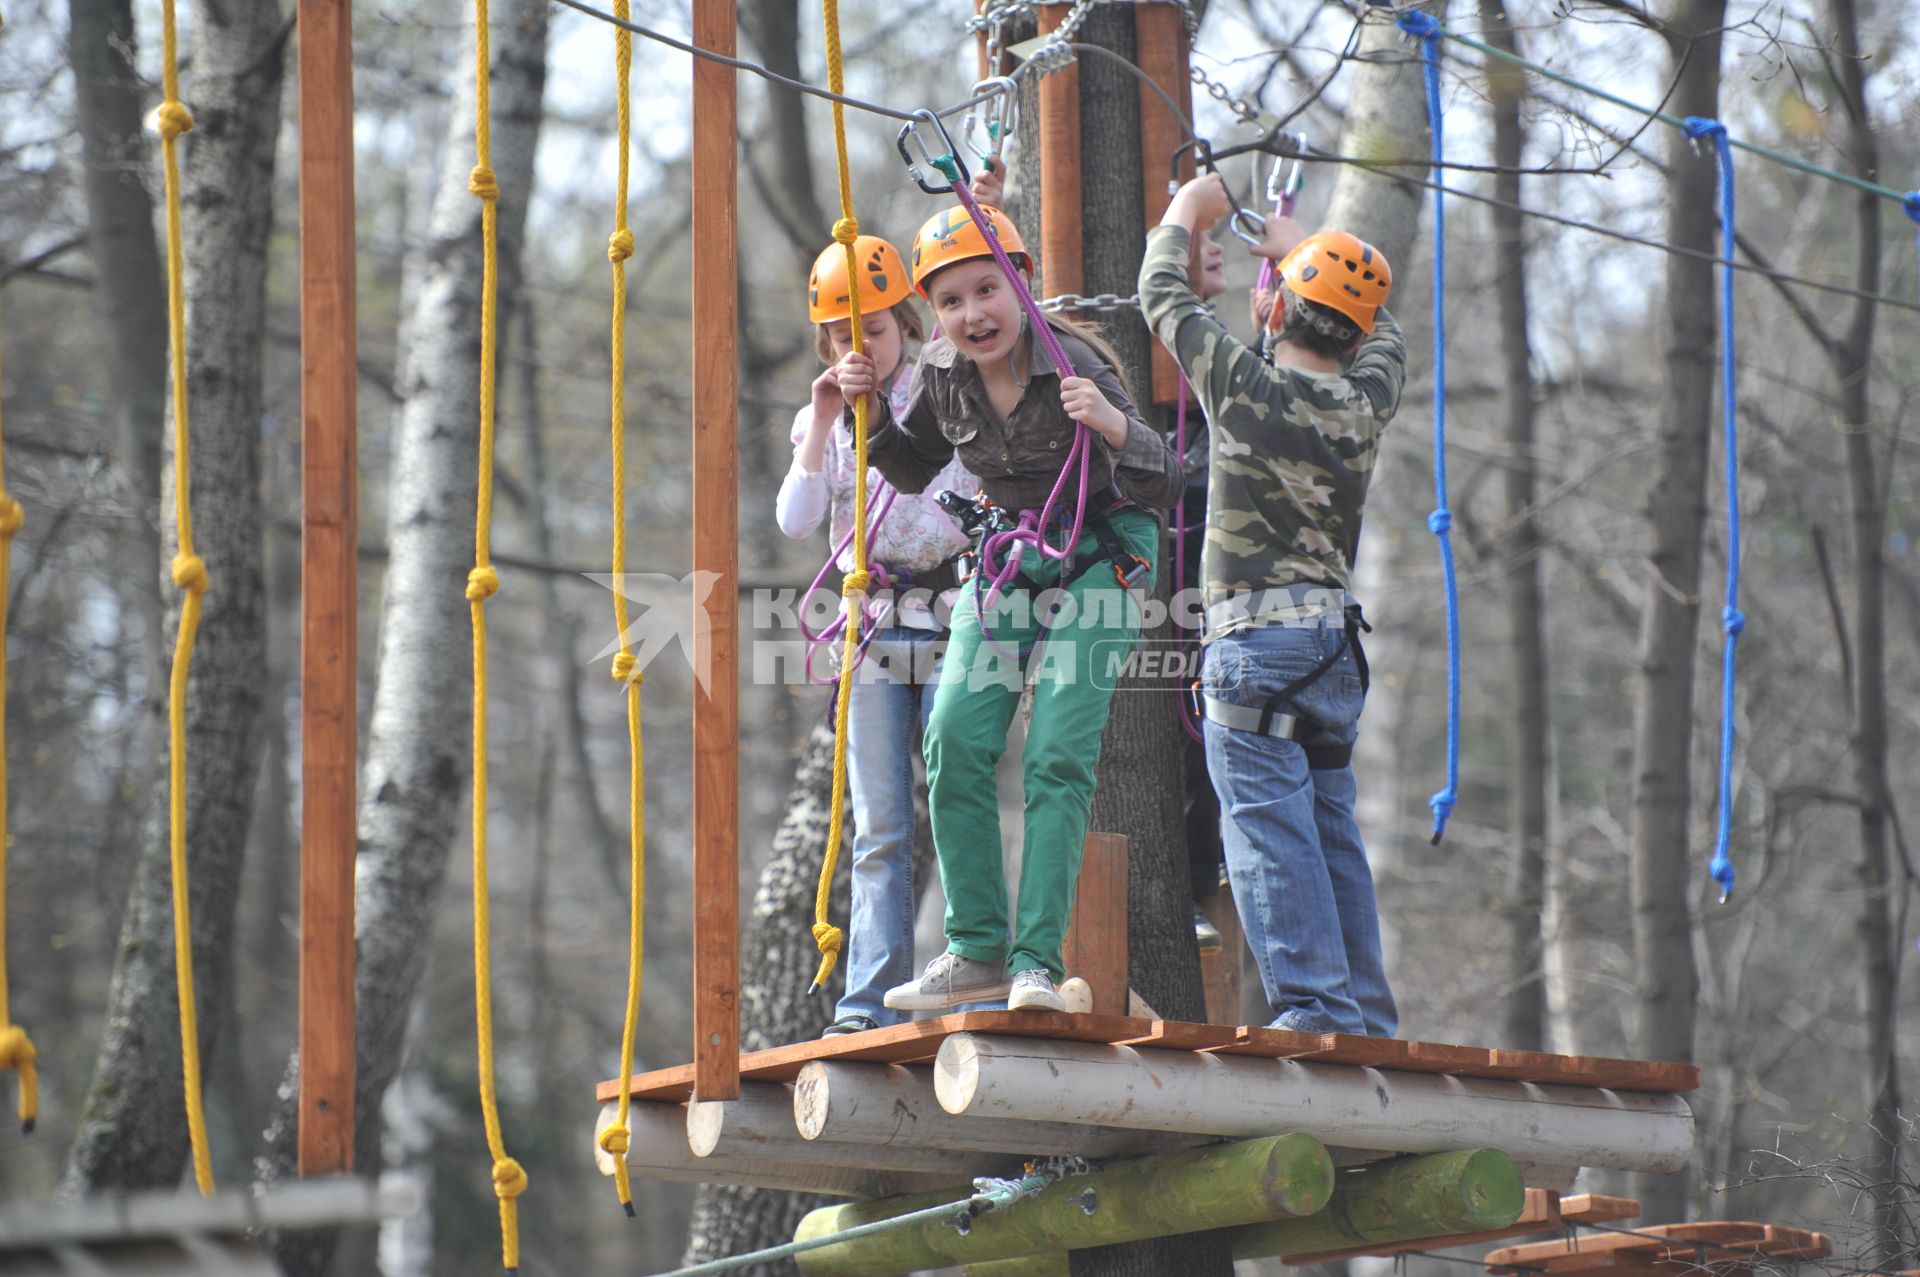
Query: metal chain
1054	54
1248	113
992	21
1099	301
1189	19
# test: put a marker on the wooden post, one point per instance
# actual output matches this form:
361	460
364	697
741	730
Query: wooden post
716	462
329	621
1221	971
1161	38
1096	947
1220	1186
1060	234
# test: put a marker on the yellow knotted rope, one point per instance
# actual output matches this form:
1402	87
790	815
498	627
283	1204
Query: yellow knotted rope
16	1048
853	588
614	1139
190	574
509	1178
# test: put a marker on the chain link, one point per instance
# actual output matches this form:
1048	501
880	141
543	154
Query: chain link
1099	301
992	21
1248	113
1052	56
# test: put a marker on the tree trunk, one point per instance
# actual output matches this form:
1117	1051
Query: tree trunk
416	757
132	1134
774	1006
1524	1023
1662	868
129	295
1866	511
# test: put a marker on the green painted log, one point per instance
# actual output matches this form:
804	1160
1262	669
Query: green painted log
1217	1186
1402	1200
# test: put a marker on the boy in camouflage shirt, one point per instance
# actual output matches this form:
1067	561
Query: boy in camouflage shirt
1292	444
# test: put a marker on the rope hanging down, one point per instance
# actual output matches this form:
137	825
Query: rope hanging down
853	587
1731	618
1425	29
509	1179
16	1048
614	1139
1912	204
190	574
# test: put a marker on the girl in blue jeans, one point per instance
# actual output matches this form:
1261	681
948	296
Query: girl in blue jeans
915	543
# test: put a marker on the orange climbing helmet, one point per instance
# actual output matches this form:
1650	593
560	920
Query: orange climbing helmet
950	236
1341	272
883	280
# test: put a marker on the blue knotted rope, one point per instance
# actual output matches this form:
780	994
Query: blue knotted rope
1425	28
1731	619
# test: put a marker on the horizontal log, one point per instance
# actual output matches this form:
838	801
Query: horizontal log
657	1150
760	1125
894	1107
1240	1096
1214	1187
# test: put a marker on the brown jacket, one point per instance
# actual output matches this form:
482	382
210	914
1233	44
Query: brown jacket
1018	461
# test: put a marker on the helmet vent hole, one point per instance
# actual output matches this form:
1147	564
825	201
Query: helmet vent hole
1351	267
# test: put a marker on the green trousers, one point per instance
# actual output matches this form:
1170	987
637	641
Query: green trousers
1073	673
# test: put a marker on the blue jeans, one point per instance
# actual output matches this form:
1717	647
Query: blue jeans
892	696
1293	849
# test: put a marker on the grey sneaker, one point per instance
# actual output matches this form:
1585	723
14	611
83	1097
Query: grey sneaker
1205	934
949	981
1033	991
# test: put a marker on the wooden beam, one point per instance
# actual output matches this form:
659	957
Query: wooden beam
329	590
1220	972
1060	230
760	1124
716	550
886	1104
1096	947
1214	1094
1161	38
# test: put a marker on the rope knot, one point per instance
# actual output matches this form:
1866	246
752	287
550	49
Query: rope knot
613	1141
826	937
1416	23
1733	620
16	1048
1699	126
173	119
1439	522
1912	204
509	1179
482	583
190	573
12	517
620	245
626	668
846	230
855	583
1722	870
480	182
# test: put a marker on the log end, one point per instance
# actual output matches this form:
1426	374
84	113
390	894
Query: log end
706	1119
1299	1175
956	1071
810	1097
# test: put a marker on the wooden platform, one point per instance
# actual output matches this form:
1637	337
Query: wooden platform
919	1042
1710	1245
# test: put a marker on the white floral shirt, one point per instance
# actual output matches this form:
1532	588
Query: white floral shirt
917	534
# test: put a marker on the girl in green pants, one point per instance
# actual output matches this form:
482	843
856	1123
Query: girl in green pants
987	390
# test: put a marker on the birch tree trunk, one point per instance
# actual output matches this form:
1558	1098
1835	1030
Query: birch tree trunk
415	766
1524	1022
133	1133
129	295
1662	864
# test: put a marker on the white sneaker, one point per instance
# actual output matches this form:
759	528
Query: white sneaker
1033	991
950	981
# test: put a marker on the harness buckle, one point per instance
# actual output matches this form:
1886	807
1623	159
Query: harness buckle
1134	573
947	164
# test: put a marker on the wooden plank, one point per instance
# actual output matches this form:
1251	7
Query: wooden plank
1545	1212
1717	1239
1096	947
1060	228
716	697
329	592
1178	1036
1161	40
1276	1044
1220	972
1586	1070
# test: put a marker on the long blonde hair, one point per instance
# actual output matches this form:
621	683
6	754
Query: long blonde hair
1094	336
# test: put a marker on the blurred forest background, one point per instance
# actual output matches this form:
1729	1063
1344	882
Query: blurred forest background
1569	907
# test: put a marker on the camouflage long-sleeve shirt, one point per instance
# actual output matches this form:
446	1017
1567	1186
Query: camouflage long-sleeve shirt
1290	451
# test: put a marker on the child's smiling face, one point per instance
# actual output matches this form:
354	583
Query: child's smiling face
976	308
1209	266
883	341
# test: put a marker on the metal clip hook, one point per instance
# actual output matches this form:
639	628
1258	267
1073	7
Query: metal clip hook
1248	227
947	164
1000	114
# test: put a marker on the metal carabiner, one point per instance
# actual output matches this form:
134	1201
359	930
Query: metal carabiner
1000	113
1249	227
948	164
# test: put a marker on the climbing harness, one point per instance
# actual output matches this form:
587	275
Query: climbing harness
853	586
1423	27
509	1178
190	574
879	503
1279	717
1732	620
16	1048
614	1139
